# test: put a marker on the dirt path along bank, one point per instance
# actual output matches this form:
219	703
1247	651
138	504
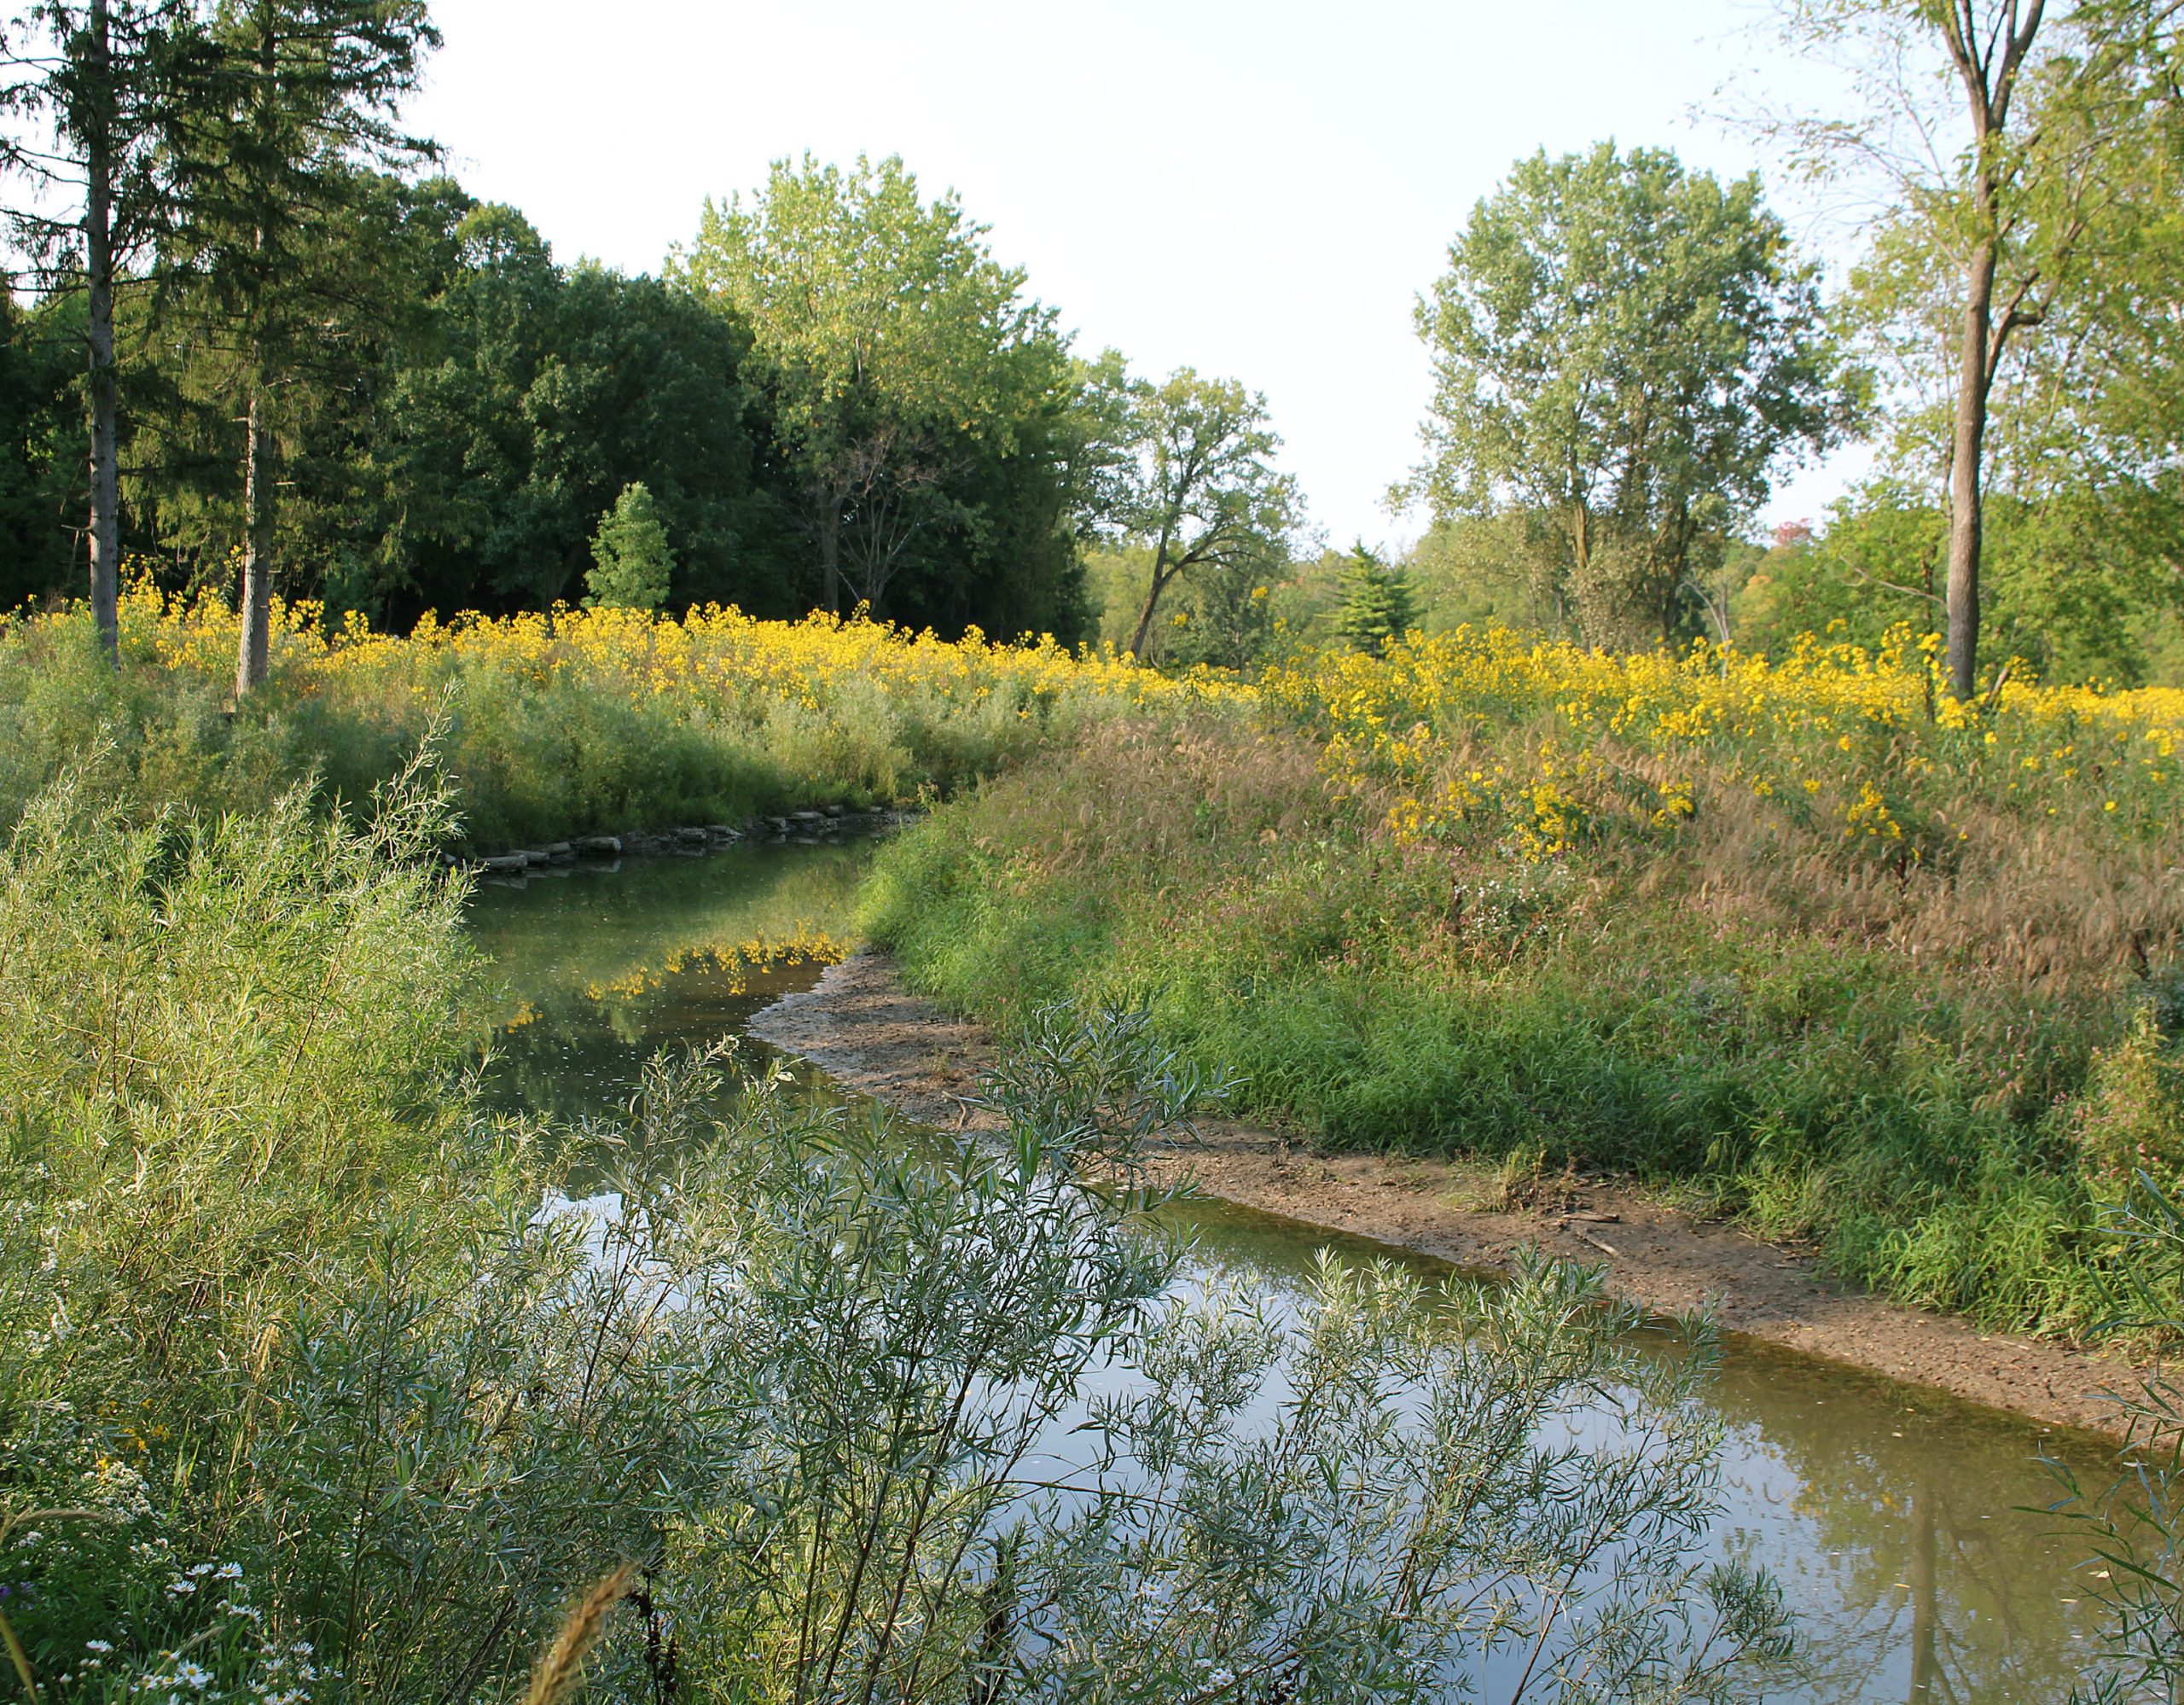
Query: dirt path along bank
867	1032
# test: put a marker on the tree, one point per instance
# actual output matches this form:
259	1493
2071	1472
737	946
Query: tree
42	445
632	560
1198	482
2057	102
298	96
1378	607
108	75
1623	351
894	346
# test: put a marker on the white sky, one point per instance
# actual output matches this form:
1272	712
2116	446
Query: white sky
1258	189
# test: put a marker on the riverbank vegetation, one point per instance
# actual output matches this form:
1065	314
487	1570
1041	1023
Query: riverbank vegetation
1810	942
585	721
318	1387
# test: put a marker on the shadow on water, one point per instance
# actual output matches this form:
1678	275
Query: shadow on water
1896	1518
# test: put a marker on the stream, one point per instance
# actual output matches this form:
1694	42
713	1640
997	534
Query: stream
1893	1516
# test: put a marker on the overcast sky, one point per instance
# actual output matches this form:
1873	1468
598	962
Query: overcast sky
1259	191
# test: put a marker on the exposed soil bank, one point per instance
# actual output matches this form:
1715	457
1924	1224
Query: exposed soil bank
867	1032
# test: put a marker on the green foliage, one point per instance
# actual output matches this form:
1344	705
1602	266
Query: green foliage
1378	607
632	561
2134	1526
41	450
1622	352
1196	486
2019	290
1685	1005
921	401
2065	588
307	1391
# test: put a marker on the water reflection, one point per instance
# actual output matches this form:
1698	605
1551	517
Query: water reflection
600	967
1894	1518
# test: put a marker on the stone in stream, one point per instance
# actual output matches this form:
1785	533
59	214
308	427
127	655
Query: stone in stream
691	837
601	845
807	817
507	864
722	834
556	853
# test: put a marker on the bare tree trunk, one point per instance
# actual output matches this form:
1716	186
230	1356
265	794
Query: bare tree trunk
251	653
1987	63
98	268
1966	451
1161	576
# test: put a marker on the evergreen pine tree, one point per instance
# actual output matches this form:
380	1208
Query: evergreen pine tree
1378	606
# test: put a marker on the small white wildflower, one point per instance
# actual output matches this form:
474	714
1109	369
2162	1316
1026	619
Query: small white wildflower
201	1570
179	1585
192	1675
98	1645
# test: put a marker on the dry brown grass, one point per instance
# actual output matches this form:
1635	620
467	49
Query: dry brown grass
558	1675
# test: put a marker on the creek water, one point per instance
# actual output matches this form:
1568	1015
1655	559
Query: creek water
1907	1529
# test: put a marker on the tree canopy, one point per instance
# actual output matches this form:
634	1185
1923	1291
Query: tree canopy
907	374
1624	350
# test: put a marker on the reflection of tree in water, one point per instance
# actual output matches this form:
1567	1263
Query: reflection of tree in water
1914	1572
1940	1589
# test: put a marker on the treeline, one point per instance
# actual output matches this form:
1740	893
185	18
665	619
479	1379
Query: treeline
457	438
315	365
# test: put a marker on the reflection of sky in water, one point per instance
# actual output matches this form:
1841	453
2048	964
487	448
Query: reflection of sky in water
1891	1517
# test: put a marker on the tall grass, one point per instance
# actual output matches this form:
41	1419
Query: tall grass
587	721
1771	936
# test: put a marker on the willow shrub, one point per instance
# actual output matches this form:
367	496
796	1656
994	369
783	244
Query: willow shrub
316	1386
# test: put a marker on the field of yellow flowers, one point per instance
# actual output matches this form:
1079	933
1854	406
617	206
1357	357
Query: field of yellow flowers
587	720
1800	938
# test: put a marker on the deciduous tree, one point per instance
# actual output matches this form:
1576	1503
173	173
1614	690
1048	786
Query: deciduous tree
2010	140
1198	483
896	350
1624	350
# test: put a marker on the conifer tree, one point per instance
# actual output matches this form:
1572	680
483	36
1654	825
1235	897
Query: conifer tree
108	77
299	98
632	561
1378	606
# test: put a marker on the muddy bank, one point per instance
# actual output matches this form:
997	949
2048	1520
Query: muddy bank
861	1027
